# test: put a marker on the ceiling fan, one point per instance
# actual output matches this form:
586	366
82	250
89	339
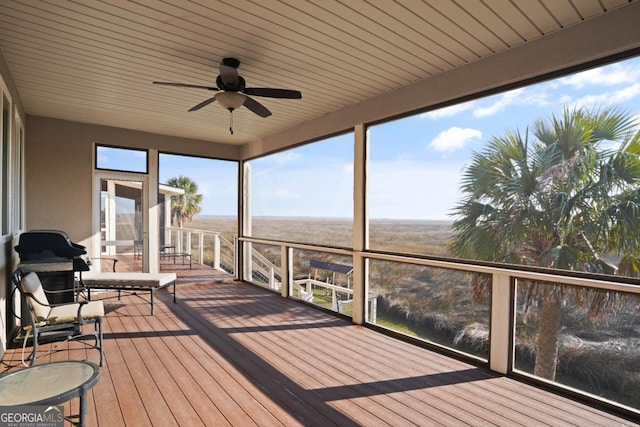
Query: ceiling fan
233	93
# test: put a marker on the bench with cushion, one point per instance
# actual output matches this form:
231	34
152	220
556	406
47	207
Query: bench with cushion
128	282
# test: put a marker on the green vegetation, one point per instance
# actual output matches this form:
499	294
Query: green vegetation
556	197
185	206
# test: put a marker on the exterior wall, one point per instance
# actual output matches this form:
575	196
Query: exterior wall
60	164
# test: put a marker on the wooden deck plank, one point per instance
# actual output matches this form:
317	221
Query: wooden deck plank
193	387
533	403
371	377
285	385
314	367
137	357
235	355
242	364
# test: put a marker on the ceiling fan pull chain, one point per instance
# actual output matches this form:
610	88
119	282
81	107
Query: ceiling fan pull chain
231	122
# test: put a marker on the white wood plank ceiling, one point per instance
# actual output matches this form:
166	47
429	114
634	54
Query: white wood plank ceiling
94	61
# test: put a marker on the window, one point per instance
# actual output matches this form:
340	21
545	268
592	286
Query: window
18	176
200	208
6	161
458	181
121	159
304	194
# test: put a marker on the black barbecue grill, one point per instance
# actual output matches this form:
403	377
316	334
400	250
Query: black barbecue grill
55	258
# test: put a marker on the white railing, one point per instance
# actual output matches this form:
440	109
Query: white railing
223	251
304	287
196	242
269	270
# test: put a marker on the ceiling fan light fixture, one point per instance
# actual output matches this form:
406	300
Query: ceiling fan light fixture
230	100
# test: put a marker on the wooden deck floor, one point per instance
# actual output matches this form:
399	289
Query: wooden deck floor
195	274
232	354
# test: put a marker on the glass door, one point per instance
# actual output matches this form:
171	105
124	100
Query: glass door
122	222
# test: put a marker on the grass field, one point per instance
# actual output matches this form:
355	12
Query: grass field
411	236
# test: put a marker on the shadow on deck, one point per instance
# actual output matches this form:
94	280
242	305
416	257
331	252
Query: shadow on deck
233	354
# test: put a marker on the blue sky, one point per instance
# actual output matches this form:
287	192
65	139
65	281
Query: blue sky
216	180
415	162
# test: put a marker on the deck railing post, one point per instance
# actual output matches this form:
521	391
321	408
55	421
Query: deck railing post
201	246
286	259
179	237
502	309
216	251
236	257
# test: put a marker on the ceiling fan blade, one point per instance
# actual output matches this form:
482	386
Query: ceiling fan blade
229	76
203	104
256	107
185	85
273	93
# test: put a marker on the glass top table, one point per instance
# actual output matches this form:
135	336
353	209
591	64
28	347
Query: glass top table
50	384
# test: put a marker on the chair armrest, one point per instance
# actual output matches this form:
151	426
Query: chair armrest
30	295
81	304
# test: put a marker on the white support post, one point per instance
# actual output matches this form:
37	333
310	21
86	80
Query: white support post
502	300
236	258
151	244
110	222
201	247
286	257
188	243
216	251
167	219
360	225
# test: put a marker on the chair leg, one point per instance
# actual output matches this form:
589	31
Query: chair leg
35	347
99	341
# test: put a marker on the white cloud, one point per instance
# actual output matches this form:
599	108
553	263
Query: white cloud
454	139
608	98
538	97
606	76
503	102
447	111
284	158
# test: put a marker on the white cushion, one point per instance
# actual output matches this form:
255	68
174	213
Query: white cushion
31	284
122	280
69	312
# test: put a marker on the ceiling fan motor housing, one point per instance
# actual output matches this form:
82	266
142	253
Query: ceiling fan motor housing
223	86
231	62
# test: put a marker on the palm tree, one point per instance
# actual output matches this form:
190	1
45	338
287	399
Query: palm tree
185	206
563	199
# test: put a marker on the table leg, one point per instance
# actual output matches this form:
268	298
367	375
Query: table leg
83	408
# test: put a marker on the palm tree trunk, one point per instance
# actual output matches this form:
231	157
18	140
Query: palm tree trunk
548	337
